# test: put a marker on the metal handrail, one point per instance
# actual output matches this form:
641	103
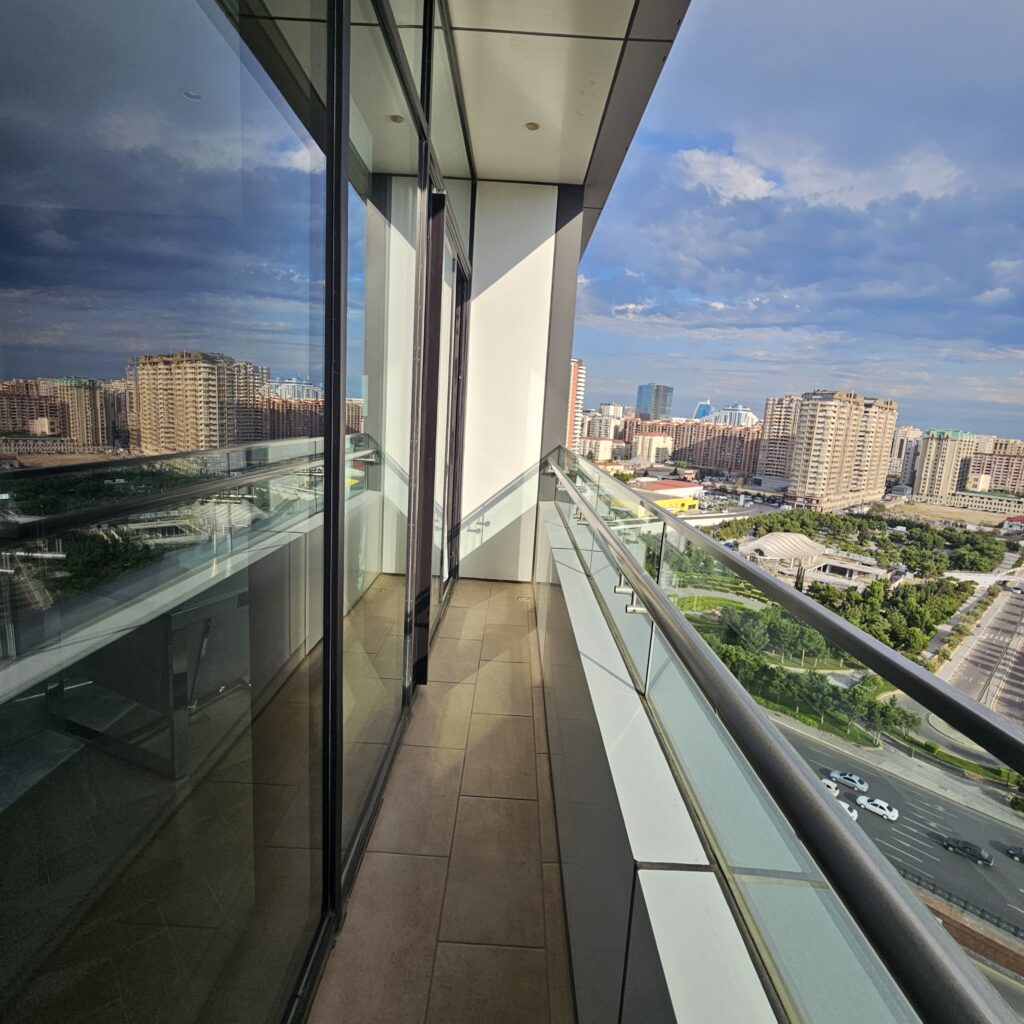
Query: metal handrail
910	945
989	729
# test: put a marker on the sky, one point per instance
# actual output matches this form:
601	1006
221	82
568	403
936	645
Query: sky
822	195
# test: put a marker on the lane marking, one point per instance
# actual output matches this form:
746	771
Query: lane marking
933	857
920	842
902	853
1012	907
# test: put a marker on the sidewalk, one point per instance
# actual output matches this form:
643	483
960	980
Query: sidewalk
948	669
925	774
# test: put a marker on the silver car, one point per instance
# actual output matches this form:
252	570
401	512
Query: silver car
849	779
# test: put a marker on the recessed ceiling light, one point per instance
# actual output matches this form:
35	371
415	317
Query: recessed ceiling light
532	126
189	95
396	118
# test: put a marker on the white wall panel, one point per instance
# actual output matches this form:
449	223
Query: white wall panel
513	258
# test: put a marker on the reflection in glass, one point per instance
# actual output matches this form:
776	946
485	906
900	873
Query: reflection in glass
161	290
383	205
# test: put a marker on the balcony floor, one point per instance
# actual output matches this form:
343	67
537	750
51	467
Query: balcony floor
456	914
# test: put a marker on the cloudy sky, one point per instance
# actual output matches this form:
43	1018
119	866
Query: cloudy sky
822	195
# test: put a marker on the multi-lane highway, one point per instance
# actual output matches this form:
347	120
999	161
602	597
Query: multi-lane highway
992	667
914	842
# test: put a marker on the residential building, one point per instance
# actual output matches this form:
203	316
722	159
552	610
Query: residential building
778	431
295	417
654	401
732	416
191	401
703	408
355	420
577	394
903	457
653	447
292	387
24	402
943	464
1001	469
598	449
86	412
613	409
598	425
840	450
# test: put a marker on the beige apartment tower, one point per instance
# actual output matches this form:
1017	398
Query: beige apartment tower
943	464
577	392
778	430
190	401
840	450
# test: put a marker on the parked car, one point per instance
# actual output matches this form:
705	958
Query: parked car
879	807
851	811
1015	852
972	851
830	786
849	779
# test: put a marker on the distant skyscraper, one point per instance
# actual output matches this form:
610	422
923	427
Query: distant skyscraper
613	409
732	416
702	409
355	419
841	450
86	412
577	390
191	401
654	402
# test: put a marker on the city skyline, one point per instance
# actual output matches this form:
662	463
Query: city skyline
874	234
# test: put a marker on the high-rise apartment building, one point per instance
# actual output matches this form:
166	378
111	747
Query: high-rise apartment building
293	387
903	456
596	425
654	401
355	416
840	451
295	417
577	392
614	409
86	412
943	464
190	401
778	429
1000	470
27	402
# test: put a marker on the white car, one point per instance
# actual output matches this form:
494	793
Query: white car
879	807
851	811
830	786
851	780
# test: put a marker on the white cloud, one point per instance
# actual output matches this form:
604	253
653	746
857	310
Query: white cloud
993	295
727	176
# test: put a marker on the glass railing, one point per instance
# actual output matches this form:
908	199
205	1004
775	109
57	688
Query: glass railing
809	766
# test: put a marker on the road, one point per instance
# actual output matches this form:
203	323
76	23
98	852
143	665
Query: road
992	667
914	841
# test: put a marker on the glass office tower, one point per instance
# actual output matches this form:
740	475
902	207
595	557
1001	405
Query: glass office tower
654	401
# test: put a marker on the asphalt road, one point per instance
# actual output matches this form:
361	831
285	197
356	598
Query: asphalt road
914	842
992	670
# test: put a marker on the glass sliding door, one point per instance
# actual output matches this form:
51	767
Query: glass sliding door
161	413
383	215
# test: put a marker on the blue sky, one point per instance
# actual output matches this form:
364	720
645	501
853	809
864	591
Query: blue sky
822	195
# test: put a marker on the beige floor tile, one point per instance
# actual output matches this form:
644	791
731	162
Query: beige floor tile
467	593
494	892
509	611
540	728
389	661
548	830
417	814
503	688
477	984
453	661
500	757
559	984
506	643
440	716
464	623
380	970
503	589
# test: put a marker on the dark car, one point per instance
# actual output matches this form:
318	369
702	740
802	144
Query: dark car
1015	852
968	849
